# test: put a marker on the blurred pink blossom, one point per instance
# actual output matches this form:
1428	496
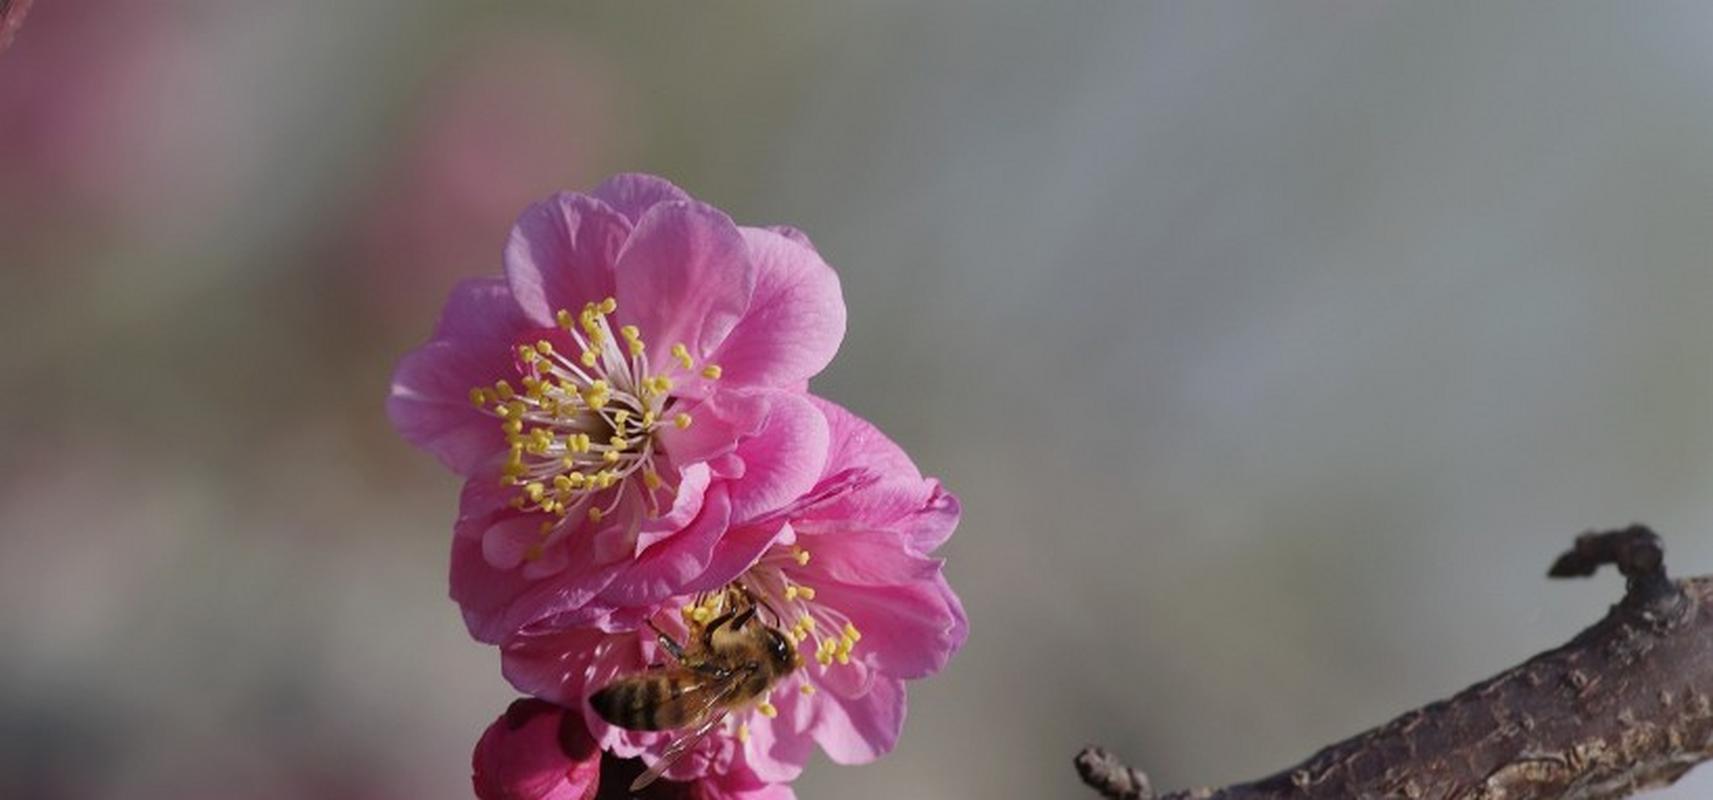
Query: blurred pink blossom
506	120
11	19
632	384
123	114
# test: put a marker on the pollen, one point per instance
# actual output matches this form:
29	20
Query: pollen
682	353
807	689
585	419
767	709
711	372
800	555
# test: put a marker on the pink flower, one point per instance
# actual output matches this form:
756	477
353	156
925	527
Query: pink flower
537	751
845	574
632	384
11	19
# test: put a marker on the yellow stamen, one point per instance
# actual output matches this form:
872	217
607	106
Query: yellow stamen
800	555
767	709
682	420
807	689
711	372
595	514
743	732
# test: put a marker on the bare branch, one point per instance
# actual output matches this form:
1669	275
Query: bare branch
1625	706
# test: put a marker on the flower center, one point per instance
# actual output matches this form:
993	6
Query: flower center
775	583
585	423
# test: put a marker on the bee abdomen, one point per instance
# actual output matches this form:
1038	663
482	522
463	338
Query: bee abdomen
652	703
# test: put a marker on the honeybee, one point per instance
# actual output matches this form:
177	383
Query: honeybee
729	661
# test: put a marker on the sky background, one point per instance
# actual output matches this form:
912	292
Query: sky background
1275	350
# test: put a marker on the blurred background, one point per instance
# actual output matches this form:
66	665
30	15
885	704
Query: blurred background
1275	350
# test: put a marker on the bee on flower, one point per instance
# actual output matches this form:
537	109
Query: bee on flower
691	563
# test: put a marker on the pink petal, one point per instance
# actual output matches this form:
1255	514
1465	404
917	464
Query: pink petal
633	194
931	525
783	459
561	255
429	402
506	541
684	276
497	602
717	424
861	730
774	751
794	234
867	558
736	552
554	665
663	570
894	496
909	630
536	751
795	320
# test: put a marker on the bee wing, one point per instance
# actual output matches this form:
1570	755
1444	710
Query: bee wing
685	742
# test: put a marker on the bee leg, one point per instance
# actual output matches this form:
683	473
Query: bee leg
708	632
669	644
743	618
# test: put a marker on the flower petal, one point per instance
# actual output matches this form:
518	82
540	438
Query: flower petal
663	570
893	494
783	459
774	751
553	664
497	602
536	751
684	276
857	731
561	254
795	319
429	402
634	193
909	630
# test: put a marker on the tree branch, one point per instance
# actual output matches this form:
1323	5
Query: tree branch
1627	705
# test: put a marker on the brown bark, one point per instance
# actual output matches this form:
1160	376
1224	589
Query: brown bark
1625	706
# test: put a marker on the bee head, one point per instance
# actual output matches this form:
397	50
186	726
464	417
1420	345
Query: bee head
781	651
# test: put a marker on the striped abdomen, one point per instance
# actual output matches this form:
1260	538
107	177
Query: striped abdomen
656	702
